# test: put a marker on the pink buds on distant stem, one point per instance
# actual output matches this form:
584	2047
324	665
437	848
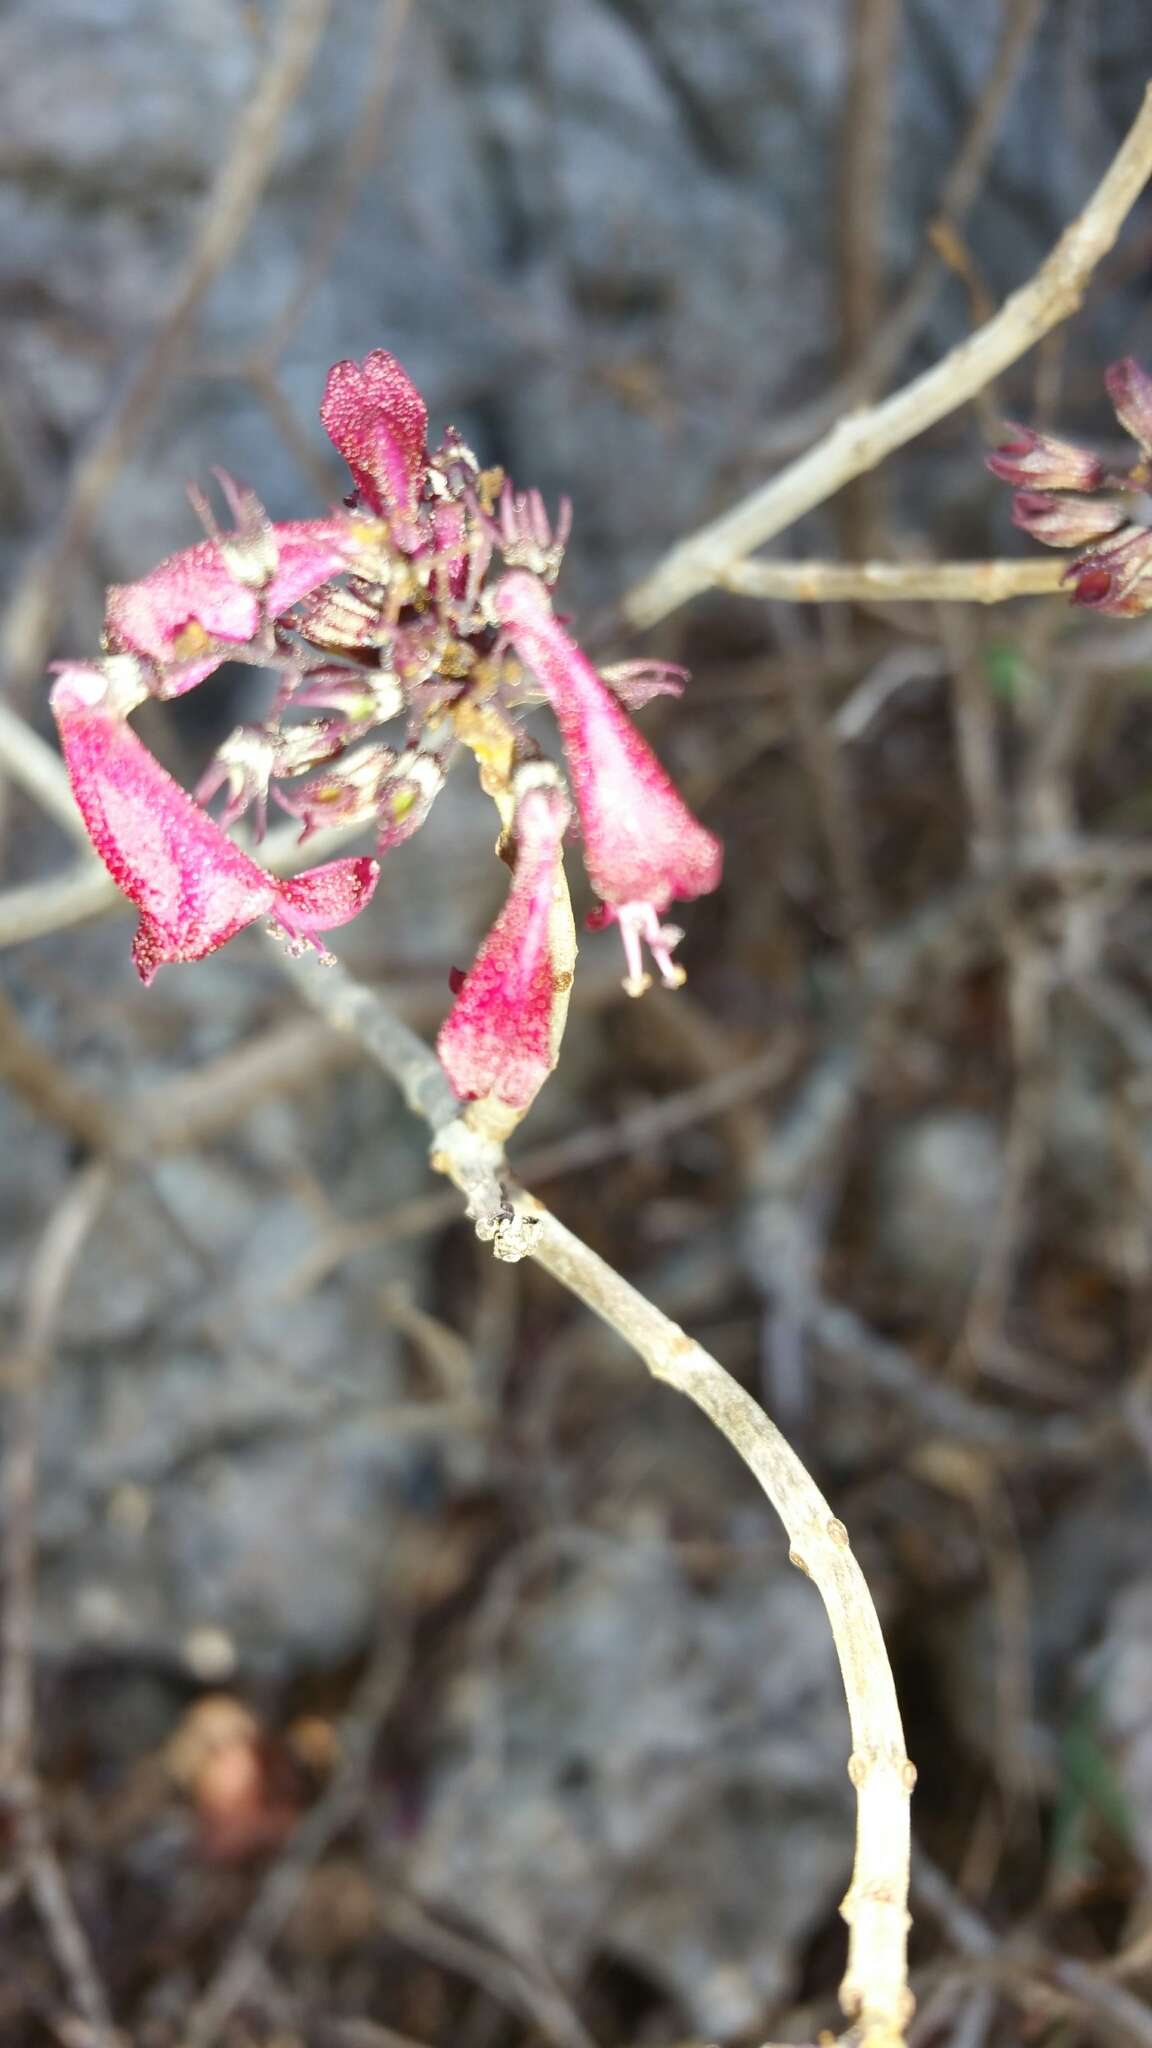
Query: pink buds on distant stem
1113	571
1040	462
1066	520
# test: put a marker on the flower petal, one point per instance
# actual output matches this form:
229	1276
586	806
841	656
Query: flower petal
376	418
324	897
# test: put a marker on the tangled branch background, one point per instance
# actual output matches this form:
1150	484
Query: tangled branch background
385	1659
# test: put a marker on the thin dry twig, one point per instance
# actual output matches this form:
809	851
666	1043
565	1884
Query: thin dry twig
1028	1974
864	163
20	1793
974	721
817	742
508	1979
235	193
34	766
874	1992
1021	21
899	582
862	439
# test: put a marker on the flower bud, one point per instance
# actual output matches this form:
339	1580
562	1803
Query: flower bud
1130	389
1115	580
1040	461
1065	519
376	419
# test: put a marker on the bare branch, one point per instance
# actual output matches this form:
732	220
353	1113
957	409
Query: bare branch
20	1793
874	1992
860	440
899	582
38	770
863	176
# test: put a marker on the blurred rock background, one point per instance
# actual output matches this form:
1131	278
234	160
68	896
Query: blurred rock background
345	1528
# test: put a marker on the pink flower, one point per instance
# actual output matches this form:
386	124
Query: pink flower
193	888
642	846
375	417
186	613
497	1039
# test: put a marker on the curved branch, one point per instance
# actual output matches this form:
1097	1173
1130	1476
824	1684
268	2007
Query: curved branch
874	1992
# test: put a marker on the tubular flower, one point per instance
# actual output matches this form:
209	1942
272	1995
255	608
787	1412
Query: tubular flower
193	888
1113	573
497	1039
642	846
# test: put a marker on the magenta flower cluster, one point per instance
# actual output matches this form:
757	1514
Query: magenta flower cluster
1068	498
405	626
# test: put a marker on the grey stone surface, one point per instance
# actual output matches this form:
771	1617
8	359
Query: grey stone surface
643	1769
599	233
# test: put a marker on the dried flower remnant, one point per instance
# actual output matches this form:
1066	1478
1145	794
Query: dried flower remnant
406	627
1112	573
